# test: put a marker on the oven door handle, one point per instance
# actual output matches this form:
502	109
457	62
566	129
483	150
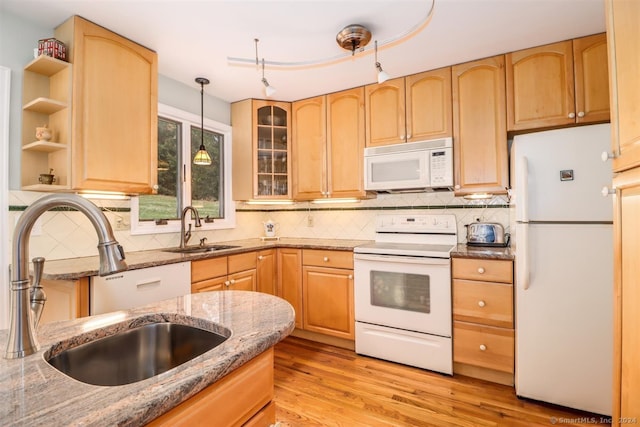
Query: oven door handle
402	259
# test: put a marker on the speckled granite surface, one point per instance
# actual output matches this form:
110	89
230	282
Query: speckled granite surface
464	251
75	268
32	393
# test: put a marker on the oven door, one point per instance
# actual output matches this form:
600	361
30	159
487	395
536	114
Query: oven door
411	293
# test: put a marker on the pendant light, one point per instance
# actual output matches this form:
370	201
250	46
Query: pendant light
202	157
382	75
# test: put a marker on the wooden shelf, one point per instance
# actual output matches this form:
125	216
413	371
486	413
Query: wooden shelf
47	188
46	65
45	146
44	105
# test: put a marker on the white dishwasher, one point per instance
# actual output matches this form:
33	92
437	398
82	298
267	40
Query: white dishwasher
135	288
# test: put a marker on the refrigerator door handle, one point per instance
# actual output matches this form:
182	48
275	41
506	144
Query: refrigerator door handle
523	256
522	191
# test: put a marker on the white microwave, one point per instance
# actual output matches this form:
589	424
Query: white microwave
413	166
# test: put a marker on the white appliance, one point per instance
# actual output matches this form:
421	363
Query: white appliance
414	166
564	267
135	288
402	289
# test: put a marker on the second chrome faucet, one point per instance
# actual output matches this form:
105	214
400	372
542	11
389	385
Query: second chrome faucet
186	235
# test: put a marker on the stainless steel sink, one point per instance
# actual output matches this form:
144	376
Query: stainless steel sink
200	249
135	354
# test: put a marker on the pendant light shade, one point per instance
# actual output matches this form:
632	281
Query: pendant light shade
202	157
268	89
382	75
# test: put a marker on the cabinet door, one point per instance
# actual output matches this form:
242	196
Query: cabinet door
215	284
479	127
267	277
66	300
385	113
429	105
345	143
591	79
115	111
309	148
540	87
328	301
242	281
290	279
623	34
627	296
271	149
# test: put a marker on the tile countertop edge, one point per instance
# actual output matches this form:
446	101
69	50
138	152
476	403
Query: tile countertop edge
34	393
76	268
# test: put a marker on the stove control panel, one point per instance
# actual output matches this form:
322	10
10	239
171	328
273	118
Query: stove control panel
420	223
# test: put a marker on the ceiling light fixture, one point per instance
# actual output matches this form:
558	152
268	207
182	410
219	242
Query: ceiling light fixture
382	75
353	37
268	89
202	157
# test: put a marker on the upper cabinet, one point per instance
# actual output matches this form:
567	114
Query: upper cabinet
479	127
558	84
261	150
114	115
408	109
328	146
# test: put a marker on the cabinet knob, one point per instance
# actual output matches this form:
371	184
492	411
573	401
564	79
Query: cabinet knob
572	115
606	156
481	270
350	276
581	114
260	257
456	187
483	347
606	191
408	136
232	281
481	303
226	283
325	259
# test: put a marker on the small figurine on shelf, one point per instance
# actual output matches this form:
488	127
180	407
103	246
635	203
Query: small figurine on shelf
47	178
43	133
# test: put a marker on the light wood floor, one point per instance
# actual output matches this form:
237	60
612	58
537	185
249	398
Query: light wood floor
322	385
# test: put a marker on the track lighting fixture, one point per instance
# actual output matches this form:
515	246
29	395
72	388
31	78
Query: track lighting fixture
202	157
268	89
382	75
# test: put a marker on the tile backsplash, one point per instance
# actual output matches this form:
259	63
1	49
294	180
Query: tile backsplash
63	234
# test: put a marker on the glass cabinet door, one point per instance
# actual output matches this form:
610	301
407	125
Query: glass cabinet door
272	152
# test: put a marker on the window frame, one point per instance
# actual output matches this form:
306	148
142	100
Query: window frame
188	120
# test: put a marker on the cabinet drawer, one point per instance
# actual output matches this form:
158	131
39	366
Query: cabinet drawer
215	284
324	258
241	262
208	268
488	270
483	346
483	302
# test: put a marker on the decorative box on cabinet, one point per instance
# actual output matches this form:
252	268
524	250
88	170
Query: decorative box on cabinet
261	149
409	109
114	115
483	326
558	84
328	146
481	162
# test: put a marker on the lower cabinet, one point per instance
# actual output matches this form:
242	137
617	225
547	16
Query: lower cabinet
66	299
290	280
267	278
242	398
234	272
483	327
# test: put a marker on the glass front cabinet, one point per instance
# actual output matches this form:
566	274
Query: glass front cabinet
261	153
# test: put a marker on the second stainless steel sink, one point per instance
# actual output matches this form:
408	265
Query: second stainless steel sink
200	249
135	354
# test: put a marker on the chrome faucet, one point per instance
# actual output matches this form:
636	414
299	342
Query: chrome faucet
185	236
28	301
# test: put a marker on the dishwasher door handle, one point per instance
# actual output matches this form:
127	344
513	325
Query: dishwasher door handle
157	281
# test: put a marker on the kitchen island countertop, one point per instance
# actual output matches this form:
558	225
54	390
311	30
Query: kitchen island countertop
35	394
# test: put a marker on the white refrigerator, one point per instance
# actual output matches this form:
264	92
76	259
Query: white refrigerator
564	267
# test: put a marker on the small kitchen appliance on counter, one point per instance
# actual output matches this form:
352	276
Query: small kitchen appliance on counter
402	288
487	234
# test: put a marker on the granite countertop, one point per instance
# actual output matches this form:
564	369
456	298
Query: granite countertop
76	268
464	251
35	394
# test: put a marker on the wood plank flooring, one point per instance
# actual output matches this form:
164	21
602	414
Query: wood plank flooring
322	385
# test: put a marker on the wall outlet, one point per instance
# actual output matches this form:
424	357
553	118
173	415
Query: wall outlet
120	225
309	221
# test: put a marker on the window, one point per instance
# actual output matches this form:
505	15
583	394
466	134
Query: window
180	182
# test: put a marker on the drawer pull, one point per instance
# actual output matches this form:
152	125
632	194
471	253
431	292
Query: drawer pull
325	259
481	270
483	347
481	303
350	276
227	283
260	257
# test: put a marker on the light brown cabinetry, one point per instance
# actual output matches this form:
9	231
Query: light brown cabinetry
233	272
408	109
558	84
290	279
266	272
483	327
66	299
623	34
479	127
242	398
327	289
113	127
328	146
261	164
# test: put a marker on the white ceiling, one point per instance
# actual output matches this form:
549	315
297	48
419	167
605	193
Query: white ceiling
197	38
